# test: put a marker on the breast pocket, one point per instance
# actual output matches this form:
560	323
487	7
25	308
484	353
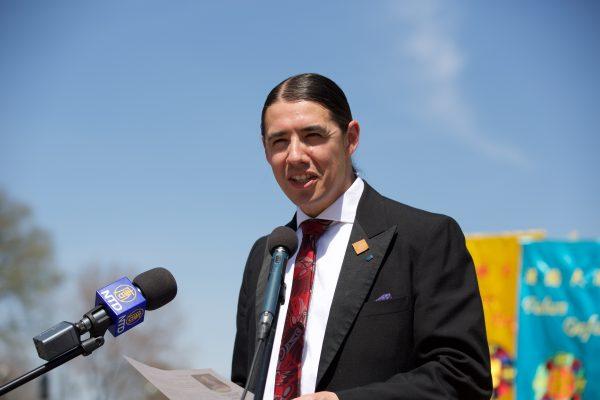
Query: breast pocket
385	307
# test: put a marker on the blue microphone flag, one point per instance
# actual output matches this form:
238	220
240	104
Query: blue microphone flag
124	303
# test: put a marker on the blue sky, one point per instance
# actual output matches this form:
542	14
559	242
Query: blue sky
132	128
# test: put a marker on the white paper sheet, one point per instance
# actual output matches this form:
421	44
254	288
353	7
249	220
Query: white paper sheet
189	384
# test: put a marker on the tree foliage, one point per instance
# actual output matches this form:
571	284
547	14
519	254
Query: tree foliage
26	269
27	274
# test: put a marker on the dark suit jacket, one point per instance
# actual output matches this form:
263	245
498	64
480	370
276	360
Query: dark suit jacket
428	342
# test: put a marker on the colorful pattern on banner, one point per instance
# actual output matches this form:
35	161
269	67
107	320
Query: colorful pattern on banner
497	259
558	342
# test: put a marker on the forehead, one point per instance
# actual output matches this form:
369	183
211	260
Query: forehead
284	116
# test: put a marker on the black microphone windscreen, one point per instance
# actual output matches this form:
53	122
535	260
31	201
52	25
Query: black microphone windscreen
158	286
283	236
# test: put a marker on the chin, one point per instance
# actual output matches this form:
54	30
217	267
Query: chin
312	208
299	198
304	205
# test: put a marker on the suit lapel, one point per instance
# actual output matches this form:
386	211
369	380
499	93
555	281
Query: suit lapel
356	276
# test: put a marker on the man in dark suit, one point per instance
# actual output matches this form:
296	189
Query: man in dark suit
393	310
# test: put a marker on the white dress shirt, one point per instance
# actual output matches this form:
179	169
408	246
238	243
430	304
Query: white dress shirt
331	248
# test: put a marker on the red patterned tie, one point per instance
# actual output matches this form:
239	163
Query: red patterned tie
287	377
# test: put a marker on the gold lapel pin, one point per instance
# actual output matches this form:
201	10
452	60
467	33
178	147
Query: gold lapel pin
360	247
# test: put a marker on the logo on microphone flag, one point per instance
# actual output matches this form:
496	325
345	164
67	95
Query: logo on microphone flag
134	317
125	293
124	303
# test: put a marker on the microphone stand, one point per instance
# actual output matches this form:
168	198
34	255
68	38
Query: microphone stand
261	351
58	344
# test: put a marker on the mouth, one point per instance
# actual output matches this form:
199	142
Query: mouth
302	181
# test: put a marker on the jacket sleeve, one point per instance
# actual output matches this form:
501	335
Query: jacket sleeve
244	339
450	346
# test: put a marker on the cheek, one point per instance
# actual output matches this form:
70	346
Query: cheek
328	163
278	168
276	162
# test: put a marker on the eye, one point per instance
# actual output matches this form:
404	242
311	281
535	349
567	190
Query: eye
314	137
279	143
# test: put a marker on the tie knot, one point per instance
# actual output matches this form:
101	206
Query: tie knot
314	227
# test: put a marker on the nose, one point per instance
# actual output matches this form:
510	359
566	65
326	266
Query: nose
297	152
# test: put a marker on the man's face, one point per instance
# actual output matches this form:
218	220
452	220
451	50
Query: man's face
309	154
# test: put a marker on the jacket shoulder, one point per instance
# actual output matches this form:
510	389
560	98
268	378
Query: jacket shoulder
256	255
410	219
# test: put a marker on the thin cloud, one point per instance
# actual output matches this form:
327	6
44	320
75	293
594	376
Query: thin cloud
439	62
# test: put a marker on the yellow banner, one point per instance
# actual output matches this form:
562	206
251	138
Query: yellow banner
497	260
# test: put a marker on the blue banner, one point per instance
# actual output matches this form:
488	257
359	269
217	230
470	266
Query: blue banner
558	345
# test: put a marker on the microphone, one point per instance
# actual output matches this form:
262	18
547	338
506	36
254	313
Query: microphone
125	301
282	243
120	306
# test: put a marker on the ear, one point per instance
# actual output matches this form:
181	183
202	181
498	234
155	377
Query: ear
352	137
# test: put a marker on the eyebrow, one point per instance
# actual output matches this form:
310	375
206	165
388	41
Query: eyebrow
274	135
306	129
314	128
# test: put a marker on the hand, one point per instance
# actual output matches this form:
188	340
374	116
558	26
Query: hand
319	396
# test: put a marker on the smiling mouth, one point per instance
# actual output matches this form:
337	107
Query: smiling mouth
302	180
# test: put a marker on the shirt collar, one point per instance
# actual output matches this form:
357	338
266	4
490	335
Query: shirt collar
341	210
